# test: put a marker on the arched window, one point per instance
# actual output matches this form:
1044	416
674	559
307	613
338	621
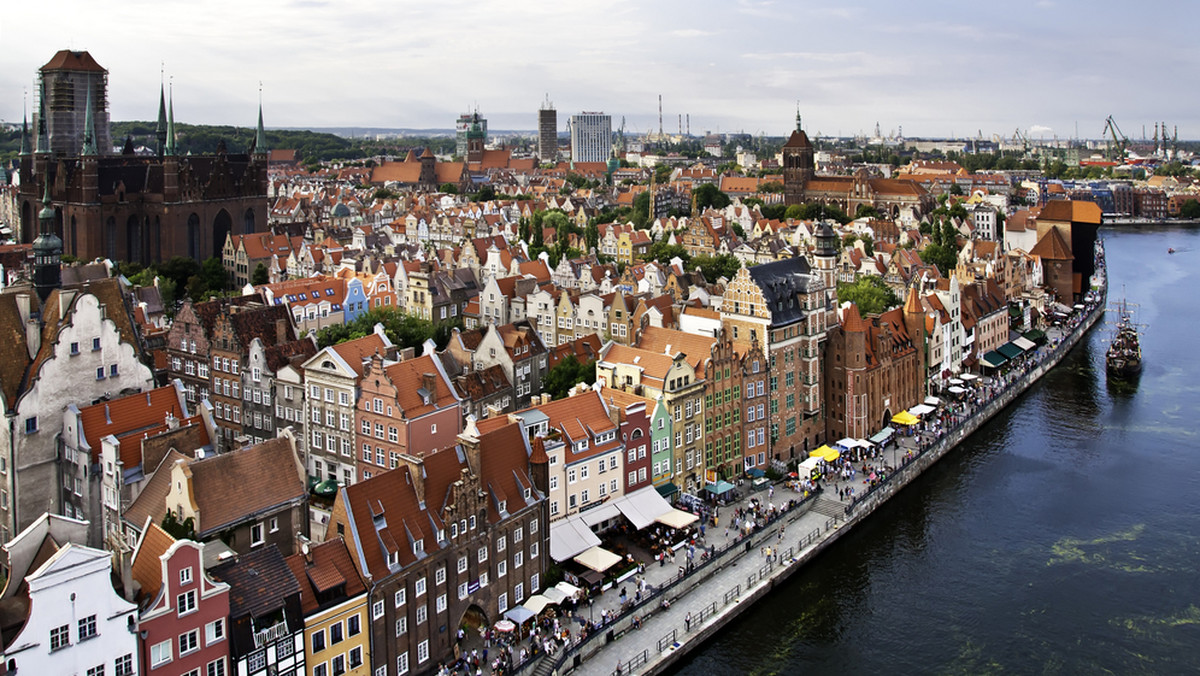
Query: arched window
193	237
248	223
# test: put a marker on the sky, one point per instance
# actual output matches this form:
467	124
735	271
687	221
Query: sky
926	67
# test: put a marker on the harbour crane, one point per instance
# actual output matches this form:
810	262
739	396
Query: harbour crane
1119	141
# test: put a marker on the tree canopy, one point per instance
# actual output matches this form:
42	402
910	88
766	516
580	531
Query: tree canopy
403	329
715	267
870	293
565	374
709	195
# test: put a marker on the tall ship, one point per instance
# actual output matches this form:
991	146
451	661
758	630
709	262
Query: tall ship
1124	358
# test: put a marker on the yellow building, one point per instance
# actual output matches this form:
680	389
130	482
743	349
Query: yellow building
333	598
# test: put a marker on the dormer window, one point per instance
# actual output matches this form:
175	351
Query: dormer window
394	557
418	546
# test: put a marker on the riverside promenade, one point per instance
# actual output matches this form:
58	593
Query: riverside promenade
651	636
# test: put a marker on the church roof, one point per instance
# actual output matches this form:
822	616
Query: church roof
66	59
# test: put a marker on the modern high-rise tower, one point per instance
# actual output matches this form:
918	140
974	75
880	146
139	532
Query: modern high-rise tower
65	86
591	137
548	132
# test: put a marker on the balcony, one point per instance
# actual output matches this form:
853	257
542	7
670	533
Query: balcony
271	634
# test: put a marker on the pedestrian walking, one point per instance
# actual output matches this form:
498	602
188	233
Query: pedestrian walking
687	622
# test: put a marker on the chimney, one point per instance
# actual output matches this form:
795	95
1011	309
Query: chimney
429	383
281	331
407	353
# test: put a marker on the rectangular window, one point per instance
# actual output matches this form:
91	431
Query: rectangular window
214	631
186	602
123	666
423	651
419	587
338	665
60	637
99	373
402	664
400	597
318	640
401	626
256	535
462	590
377	610
160	653
335	633
353	625
189	641
215	668
87	627
441	603
439	576
422	614
98	670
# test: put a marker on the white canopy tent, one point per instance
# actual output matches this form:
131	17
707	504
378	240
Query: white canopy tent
554	595
677	518
969	377
569	537
643	506
536	603
569	589
598	559
600	514
932	401
921	409
809	464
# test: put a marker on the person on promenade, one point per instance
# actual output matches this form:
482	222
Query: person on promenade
687	622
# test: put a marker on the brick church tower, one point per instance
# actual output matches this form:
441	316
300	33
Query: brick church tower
798	165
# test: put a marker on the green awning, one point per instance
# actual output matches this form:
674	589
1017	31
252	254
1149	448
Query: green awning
1009	350
1037	335
994	359
719	488
667	490
1014	311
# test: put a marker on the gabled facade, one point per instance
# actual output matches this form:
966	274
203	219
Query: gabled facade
266	623
184	613
453	539
76	621
333	598
82	347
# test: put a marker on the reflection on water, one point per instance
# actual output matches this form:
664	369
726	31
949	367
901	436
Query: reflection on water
1061	538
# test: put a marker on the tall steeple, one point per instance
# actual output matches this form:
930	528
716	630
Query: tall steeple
799	127
47	251
171	124
24	131
89	128
160	130
43	137
260	137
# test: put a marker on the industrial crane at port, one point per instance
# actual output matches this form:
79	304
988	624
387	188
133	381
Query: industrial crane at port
1119	141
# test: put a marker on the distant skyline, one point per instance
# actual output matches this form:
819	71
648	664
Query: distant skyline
931	67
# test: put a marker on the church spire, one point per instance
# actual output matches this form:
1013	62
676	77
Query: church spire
160	130
43	138
89	127
24	131
260	138
799	127
171	124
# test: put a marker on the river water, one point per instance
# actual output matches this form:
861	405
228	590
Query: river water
1062	538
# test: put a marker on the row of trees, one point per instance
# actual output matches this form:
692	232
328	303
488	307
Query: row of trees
403	329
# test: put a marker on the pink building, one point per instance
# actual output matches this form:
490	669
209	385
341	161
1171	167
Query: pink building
184	614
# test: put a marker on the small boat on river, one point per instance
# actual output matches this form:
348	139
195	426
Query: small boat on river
1124	358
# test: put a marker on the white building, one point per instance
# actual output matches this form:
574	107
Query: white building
591	137
77	623
82	347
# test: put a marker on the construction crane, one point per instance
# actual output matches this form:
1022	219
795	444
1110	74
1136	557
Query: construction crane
1119	141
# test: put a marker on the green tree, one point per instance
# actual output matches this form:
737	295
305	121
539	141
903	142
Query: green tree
663	253
738	230
486	194
448	188
716	267
870	293
566	374
385	194
180	530
215	277
770	186
956	189
709	195
591	235
640	216
866	211
1190	210
261	275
